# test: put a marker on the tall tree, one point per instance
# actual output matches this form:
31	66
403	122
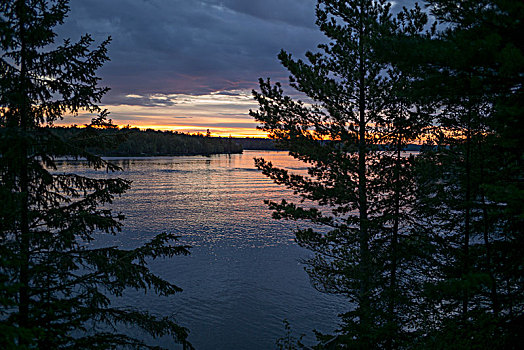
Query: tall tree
472	187
350	131
56	290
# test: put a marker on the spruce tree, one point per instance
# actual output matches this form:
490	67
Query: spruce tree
351	131
56	291
470	183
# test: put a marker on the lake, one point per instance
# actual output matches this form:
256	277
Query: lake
244	275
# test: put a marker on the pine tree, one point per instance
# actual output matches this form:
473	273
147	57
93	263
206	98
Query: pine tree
351	131
471	188
55	289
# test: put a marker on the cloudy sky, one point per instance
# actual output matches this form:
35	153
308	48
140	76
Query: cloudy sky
190	65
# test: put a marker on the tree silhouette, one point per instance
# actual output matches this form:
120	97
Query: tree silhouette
470	187
351	131
56	290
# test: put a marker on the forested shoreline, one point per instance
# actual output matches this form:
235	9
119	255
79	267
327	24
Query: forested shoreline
133	142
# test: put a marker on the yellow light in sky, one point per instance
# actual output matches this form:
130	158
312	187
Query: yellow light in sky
222	132
223	113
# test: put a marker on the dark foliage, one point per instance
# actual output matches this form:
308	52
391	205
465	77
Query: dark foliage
56	290
427	249
359	190
471	188
129	142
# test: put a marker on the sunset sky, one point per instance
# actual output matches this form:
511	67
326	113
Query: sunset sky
190	65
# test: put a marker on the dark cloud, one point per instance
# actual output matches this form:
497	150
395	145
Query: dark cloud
182	46
192	46
293	12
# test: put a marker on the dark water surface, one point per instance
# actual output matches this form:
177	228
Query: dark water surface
244	275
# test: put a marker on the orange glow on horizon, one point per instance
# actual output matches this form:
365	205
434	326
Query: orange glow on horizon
189	129
222	132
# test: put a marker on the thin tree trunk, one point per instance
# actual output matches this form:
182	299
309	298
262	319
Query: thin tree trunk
394	247
365	320
467	220
487	245
489	262
23	307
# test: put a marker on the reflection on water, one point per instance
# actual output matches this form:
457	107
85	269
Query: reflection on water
243	276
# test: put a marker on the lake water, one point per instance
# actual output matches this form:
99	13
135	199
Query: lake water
244	275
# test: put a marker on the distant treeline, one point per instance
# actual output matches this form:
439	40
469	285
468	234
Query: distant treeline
257	143
249	143
133	142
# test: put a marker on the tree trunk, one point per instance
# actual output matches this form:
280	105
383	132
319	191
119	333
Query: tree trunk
487	244
23	306
394	246
467	219
365	320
